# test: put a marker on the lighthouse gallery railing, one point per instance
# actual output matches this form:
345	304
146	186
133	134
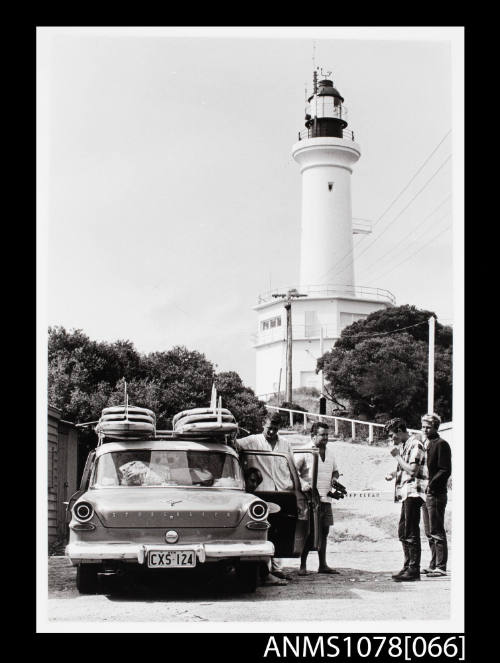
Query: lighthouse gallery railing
379	294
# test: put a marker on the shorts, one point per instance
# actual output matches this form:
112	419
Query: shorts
325	514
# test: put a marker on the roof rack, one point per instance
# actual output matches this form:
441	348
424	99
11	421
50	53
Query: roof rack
130	423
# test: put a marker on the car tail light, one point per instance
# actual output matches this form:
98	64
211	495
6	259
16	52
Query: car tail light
83	511
258	510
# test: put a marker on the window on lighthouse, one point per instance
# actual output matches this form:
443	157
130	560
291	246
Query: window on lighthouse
270	323
311	323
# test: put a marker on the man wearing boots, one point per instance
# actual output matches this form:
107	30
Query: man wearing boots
438	455
411	483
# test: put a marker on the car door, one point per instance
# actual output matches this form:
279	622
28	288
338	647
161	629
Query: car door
310	457
84	484
281	485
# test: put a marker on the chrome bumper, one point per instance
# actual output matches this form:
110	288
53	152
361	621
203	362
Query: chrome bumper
78	552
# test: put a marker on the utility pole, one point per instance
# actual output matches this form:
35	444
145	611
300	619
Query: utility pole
430	383
322	399
321	351
291	294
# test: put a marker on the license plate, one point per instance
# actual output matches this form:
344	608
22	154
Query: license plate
171	559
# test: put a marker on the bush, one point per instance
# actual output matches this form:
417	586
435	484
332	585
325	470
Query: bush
296	417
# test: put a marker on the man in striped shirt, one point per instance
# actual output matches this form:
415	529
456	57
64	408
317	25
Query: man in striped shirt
411	483
327	470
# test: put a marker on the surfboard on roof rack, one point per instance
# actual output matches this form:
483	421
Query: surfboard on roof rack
202	412
212	421
126	422
207	427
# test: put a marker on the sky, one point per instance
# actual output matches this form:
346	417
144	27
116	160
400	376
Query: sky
168	198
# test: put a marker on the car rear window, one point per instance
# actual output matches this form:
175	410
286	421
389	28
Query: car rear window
147	467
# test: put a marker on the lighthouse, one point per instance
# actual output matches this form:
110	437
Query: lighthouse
315	310
326	153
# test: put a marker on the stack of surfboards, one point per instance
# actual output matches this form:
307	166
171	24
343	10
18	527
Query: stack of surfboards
204	421
127	422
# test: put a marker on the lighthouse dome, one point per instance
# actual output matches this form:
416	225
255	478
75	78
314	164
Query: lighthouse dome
326	89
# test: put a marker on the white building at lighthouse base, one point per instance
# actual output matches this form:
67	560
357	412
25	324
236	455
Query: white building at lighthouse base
317	321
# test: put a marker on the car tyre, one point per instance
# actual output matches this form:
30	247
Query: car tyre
248	576
86	578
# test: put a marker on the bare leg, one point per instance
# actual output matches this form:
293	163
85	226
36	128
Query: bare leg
303	561
323	566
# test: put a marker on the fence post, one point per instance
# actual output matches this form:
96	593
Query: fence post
336	426
353	430
305	420
370	433
291	418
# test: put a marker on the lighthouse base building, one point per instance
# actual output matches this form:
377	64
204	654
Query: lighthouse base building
317	321
327	299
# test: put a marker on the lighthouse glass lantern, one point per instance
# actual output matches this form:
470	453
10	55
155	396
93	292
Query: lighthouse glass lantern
325	113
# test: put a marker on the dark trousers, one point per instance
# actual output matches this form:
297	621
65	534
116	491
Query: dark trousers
409	532
433	514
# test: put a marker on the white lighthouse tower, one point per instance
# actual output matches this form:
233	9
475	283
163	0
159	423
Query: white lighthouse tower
329	299
326	154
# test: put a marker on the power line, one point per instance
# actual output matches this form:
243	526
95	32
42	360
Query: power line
406	237
414	176
393	331
399	194
445	216
405	208
397	215
415	252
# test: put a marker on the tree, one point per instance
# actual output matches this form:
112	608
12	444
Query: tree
85	376
382	371
393	319
184	380
82	373
248	411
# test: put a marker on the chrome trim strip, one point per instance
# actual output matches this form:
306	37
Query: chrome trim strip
246	548
96	551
